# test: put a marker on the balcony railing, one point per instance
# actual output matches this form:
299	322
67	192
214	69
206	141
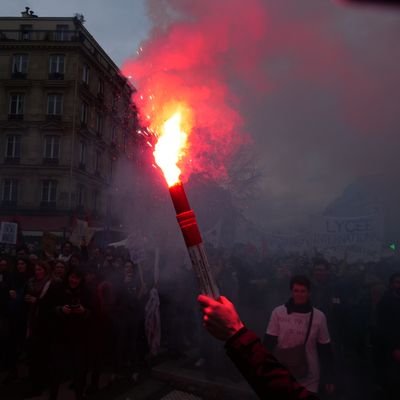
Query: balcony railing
48	205
56	76
18	75
12	160
15	116
53	117
9	203
50	161
40	35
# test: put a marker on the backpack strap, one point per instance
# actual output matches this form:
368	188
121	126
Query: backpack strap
309	325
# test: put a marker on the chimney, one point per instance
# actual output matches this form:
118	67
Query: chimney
28	14
25	13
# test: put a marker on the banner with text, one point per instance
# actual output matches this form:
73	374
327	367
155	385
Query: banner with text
358	238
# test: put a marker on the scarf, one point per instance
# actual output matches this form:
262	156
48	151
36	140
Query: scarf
299	308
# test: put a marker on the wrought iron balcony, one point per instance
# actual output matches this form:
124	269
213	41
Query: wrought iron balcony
16	116
56	76
40	35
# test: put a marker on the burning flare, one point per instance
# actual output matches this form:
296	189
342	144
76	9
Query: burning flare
171	147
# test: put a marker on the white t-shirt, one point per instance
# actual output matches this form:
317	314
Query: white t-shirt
291	330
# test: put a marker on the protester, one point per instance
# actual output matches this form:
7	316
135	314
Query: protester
4	331
59	271
389	337
265	374
130	314
70	342
17	316
297	332
39	327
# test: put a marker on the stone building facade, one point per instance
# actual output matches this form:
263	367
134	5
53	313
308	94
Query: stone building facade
66	117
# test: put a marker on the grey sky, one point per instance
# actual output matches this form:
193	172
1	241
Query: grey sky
119	26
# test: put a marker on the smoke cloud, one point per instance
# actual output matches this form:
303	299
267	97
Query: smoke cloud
312	85
195	50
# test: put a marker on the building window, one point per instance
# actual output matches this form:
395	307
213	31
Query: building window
97	162
125	145
82	155
84	113
19	66
49	192
51	150
112	168
56	66
81	196
54	104
100	87
13	147
95	200
114	135
16	108
99	123
62	32
114	101
85	74
10	191
26	32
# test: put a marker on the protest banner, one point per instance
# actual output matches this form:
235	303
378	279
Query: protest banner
81	232
8	233
356	238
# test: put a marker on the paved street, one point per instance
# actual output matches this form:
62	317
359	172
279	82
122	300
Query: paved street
171	379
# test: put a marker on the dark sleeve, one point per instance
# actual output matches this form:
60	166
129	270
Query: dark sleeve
270	341
264	373
327	363
84	254
389	339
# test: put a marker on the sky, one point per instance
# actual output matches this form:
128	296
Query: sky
119	26
330	112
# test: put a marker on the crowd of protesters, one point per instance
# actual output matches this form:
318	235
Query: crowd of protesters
74	315
68	315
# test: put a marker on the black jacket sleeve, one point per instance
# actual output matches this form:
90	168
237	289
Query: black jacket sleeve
270	341
325	354
268	378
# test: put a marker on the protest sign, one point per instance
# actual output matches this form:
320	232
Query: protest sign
8	233
358	238
81	232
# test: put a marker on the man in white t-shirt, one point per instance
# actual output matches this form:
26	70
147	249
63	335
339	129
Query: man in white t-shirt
288	327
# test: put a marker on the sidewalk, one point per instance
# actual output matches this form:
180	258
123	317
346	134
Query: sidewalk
182	375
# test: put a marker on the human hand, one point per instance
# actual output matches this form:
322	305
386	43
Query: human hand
79	310
30	299
220	317
329	388
66	310
396	355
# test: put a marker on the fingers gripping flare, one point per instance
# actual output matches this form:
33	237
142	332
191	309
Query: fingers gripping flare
220	317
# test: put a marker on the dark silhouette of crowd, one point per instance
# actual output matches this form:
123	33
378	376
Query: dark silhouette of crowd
80	314
71	316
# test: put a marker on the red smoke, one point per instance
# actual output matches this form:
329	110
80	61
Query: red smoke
198	51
